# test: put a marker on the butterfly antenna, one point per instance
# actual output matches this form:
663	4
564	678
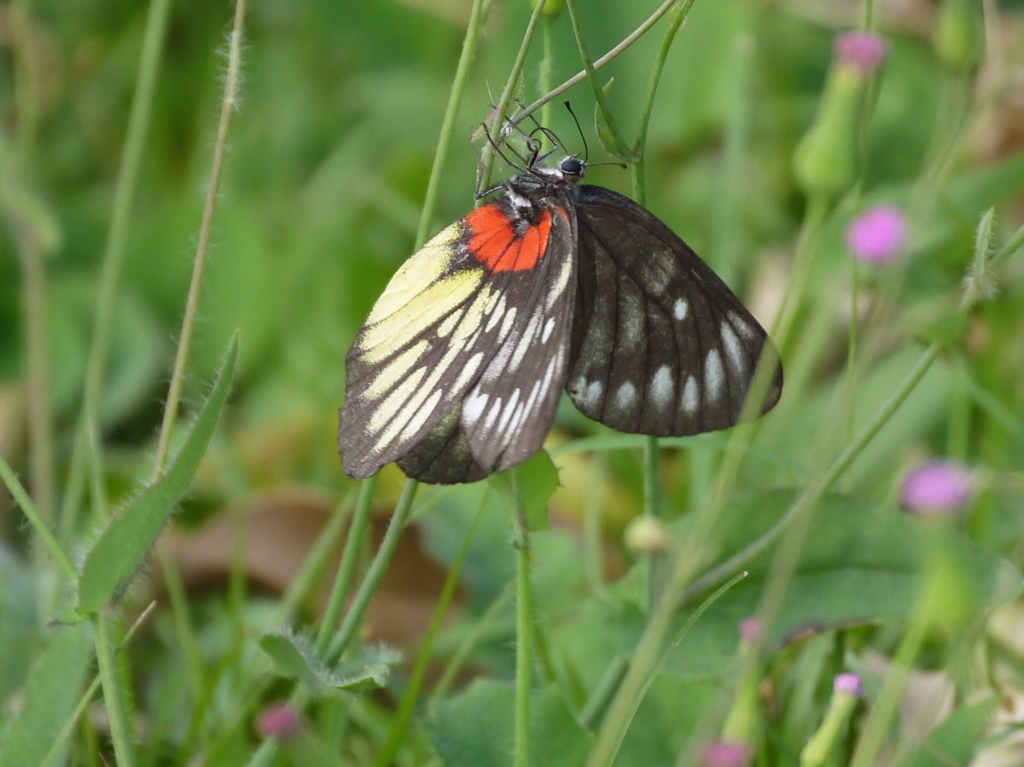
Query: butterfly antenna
586	149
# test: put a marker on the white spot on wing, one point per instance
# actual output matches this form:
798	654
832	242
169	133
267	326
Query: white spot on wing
469	370
714	374
743	327
589	393
473	407
626	395
506	325
680	310
496	313
492	415
661	386
509	410
733	349
691	395
549	327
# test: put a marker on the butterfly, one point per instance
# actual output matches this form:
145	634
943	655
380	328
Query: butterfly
459	368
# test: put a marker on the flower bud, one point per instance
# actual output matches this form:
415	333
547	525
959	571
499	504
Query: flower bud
279	720
826	160
725	754
647	535
846	689
551	7
959	37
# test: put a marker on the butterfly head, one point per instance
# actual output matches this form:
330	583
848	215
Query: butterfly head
572	168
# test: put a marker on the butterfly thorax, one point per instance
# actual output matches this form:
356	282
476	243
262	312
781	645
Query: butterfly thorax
530	193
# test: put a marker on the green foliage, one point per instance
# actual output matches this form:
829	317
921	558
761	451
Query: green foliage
124	544
329	157
295	657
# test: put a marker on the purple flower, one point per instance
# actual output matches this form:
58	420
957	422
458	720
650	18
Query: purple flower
751	630
862	51
725	754
938	487
877	234
848	683
279	720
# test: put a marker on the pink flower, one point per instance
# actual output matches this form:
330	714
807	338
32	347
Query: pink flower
279	720
751	630
939	487
860	50
848	683
725	754
877	234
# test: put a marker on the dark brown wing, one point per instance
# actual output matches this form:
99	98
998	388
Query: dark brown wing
660	344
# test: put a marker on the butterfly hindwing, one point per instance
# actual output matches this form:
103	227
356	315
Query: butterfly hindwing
508	414
660	344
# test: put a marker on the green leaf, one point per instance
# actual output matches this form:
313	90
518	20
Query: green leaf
474	729
50	695
955	740
295	657
861	564
538	480
123	546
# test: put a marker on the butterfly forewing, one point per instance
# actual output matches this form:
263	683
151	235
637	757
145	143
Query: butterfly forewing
457	371
660	344
426	341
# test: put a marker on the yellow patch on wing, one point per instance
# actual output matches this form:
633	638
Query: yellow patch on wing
384	336
391	405
422	268
395	370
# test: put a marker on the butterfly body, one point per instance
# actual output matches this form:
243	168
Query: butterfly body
458	371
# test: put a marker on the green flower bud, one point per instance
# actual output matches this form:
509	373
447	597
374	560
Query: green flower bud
826	160
551	7
959	38
846	690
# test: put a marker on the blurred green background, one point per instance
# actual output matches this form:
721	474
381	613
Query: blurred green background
330	152
329	157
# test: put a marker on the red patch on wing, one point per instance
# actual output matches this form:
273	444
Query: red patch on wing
494	243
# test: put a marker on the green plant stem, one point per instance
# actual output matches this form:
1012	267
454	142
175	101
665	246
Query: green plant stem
473	636
679	589
652	509
228	105
613	54
40	413
524	632
40	527
873	734
347	567
487	155
65	734
588	67
545	67
354	617
469	45
603	692
652	485
316	561
113	694
407	705
183	626
676	21
851	354
818	489
113	259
